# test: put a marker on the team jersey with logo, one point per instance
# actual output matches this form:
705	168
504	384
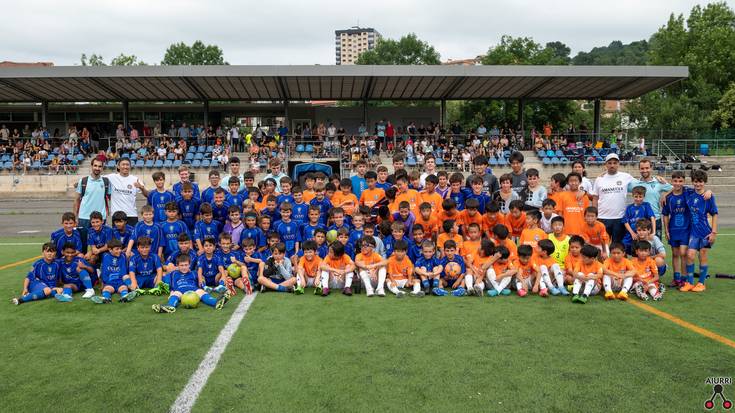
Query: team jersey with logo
46	273
158	201
144	267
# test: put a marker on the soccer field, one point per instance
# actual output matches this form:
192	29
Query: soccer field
308	353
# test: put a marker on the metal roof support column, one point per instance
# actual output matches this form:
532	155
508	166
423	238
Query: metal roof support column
285	117
597	119
125	109
205	113
443	113
521	120
44	113
365	113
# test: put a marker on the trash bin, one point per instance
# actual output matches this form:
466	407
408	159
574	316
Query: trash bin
704	149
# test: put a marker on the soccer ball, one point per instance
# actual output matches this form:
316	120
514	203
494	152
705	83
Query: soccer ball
452	270
190	300
233	270
331	236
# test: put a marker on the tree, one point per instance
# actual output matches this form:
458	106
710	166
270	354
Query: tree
408	50
121	60
616	53
196	54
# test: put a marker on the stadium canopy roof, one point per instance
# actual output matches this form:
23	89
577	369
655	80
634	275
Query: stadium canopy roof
280	83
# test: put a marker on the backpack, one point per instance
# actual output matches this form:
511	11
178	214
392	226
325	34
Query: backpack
106	182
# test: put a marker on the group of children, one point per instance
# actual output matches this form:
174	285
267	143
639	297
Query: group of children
373	232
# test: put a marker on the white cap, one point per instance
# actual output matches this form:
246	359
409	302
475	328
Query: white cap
612	156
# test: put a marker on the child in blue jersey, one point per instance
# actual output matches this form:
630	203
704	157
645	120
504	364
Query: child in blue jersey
343	236
320	237
210	269
310	227
482	198
703	234
405	217
677	225
286	195
184	248
397	231
145	269
171	229
159	197
67	234
205	228
414	246
337	217
115	276
42	279
288	231
122	231
147	228
220	207
639	209
214	184
98	235
300	213
184	280
658	251
321	202
455	190
450	278
277	271
271	209
429	269
227	255
252	231
265	223
74	274
251	263
185	177
357	231
188	206
271	240
234	197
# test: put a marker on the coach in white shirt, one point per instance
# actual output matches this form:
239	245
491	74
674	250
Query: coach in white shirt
123	190
609	196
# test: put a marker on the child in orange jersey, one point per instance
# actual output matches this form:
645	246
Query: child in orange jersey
547	267
500	237
430	195
618	273
478	268
371	268
451	230
527	275
470	215
501	273
307	271
587	273
491	218
427	219
372	195
646	273
337	271
400	272
449	211
516	219
532	234
594	232
572	260
472	244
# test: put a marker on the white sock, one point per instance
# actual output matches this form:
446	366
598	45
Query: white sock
365	281
558	275
627	283
348	279
607	283
503	284
546	281
416	286
392	287
481	285
519	285
468	281
588	286
652	290
381	279
491	279
577	286
324	280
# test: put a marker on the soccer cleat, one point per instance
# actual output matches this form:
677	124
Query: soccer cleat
570	288
544	292
15	301
506	291
158	308
222	301
357	288
298	290
207	289
417	294
230	286
129	298
658	296
165	289
478	291
369	293
347	291
609	295
583	299
555	291
318	290
675	284
639	291
698	288
262	289
622	295
565	290
88	293
576	298
100	300
400	294
492	293
459	292
686	287
522	292
220	289
325	292
439	292
64	298
248	285
427	290
379	293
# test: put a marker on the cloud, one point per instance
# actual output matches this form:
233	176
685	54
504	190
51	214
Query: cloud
302	32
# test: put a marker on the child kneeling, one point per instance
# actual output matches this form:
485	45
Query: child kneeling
183	280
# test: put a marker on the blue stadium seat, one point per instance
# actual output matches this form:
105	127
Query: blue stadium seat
210	148
192	149
196	164
189	156
493	161
201	149
177	163
555	161
411	162
133	157
503	162
564	160
206	163
139	163
439	161
5	158
309	148
7	165
80	157
558	153
111	164
170	156
550	153
158	164
300	148
168	163
541	154
546	161
199	156
149	163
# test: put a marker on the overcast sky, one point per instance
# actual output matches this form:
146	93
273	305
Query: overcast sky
302	32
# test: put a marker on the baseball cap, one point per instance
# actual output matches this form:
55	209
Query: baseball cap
612	156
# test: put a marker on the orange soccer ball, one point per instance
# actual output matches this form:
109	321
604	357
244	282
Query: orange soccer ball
452	270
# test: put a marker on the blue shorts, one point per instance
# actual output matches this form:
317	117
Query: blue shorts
146	282
37	288
186	289
115	284
276	280
449	281
77	283
677	241
697	243
211	282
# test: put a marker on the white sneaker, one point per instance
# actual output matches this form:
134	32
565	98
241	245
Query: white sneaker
380	292
88	293
369	293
